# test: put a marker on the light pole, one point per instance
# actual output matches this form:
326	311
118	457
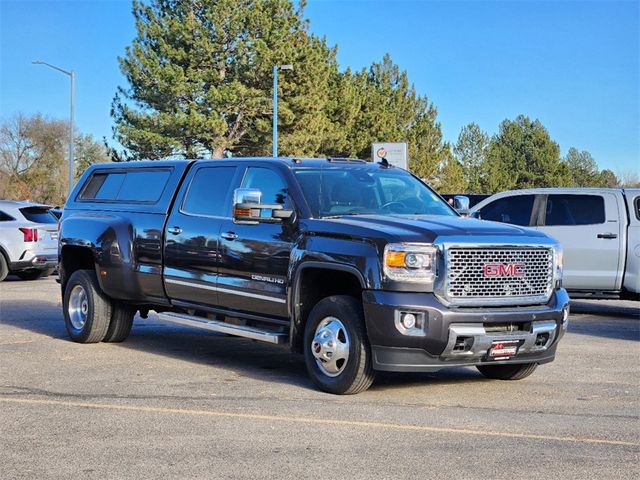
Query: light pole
275	104
72	75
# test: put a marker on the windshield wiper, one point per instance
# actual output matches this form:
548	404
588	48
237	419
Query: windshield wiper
351	214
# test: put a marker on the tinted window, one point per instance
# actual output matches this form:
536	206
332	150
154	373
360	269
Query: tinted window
574	210
274	189
110	186
515	210
636	203
142	185
5	217
38	215
208	191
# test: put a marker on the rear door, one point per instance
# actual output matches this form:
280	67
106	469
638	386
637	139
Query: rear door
589	229
192	232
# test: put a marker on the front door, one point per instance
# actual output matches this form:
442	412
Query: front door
191	233
254	258
588	228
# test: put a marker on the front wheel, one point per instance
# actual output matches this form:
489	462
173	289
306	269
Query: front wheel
336	348
507	372
87	311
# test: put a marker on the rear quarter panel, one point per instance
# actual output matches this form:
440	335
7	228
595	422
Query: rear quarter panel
127	250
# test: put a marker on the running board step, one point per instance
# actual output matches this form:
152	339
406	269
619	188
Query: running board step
253	333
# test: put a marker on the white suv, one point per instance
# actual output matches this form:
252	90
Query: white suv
28	240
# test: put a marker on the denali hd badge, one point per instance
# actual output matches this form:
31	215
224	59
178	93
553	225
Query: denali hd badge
264	278
504	270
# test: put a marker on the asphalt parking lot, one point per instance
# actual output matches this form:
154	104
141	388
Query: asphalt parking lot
175	402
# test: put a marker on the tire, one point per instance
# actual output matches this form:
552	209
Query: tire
344	376
507	372
4	267
33	274
121	323
87	310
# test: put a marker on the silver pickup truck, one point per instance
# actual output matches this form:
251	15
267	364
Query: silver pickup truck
599	229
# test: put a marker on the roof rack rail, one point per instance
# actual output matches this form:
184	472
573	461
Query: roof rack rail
346	160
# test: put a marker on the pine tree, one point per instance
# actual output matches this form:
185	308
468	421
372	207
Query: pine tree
200	79
523	155
471	151
380	104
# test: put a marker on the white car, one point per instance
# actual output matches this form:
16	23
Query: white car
28	240
598	228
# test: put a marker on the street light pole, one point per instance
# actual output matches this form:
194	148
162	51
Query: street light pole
72	76
275	104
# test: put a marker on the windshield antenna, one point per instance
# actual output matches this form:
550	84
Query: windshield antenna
384	162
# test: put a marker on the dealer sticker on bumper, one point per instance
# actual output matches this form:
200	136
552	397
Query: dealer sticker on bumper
501	350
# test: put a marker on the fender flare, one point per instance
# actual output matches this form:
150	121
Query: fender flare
295	289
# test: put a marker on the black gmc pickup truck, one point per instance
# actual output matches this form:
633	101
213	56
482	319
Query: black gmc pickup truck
359	266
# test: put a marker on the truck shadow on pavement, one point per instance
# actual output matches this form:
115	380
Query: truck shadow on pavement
597	326
600	308
241	356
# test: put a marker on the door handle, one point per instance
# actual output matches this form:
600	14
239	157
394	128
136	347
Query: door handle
607	235
174	230
229	236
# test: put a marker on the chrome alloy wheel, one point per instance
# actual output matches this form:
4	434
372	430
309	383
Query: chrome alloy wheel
78	307
330	346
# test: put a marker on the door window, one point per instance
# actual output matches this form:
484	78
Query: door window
273	187
574	210
208	191
515	210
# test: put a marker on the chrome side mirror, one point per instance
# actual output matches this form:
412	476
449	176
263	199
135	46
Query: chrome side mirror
247	195
248	208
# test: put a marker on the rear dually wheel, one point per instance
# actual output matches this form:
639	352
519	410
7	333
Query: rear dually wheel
87	310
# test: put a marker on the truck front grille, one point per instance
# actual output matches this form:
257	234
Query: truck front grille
510	274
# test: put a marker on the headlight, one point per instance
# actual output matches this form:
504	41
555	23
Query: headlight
410	262
558	259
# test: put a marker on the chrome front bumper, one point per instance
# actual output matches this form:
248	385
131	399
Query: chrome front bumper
470	341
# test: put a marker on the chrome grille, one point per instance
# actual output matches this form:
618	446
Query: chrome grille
466	280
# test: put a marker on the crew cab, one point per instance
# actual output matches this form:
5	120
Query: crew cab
598	228
359	266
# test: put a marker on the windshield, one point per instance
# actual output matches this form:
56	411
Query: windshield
358	191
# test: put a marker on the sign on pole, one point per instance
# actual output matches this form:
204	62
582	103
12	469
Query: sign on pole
394	152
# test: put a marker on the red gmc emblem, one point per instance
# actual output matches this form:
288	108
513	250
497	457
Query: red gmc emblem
504	270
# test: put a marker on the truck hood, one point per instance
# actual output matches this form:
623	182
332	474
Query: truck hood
420	228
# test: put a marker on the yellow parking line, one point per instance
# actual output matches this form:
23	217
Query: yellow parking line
317	421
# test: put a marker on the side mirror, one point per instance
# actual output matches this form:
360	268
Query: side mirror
461	203
248	209
476	215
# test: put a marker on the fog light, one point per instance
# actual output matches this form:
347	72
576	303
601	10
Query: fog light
411	323
408	320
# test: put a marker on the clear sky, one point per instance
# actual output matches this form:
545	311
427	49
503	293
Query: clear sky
574	65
